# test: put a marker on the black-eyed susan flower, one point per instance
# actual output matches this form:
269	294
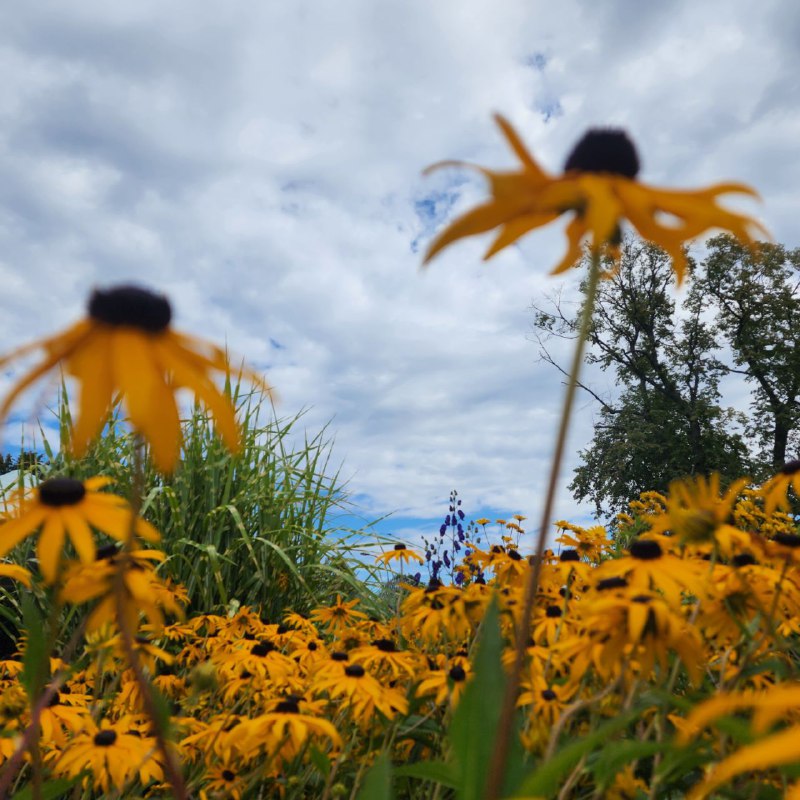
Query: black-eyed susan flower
599	188
698	511
286	730
401	553
112	755
338	617
223	779
648	566
385	658
65	507
127	346
143	590
445	684
363	695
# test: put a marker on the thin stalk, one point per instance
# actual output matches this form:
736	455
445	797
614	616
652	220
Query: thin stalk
497	769
13	764
171	767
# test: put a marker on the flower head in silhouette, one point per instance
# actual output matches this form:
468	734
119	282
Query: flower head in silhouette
599	189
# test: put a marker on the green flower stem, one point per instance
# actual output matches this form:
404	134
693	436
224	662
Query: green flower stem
171	766
12	766
497	769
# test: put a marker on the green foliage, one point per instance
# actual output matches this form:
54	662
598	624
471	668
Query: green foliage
666	422
756	297
377	783
255	528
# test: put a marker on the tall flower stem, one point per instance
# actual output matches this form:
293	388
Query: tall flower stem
505	726
171	765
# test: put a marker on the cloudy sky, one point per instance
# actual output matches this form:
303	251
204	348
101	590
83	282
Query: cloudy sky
260	163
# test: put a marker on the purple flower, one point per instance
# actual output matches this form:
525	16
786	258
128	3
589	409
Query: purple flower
446	559
443	529
460	512
447	520
459	578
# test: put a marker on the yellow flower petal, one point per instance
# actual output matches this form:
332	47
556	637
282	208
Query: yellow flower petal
15	530
96	387
150	403
79	533
50	546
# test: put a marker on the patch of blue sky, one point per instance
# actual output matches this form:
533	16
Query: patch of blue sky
434	208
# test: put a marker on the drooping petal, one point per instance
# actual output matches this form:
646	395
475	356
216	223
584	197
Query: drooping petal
15	530
16	573
516	228
50	546
79	534
576	230
172	356
603	210
479	220
91	366
114	521
140	375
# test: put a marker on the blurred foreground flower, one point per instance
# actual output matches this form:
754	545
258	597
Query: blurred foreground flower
64	507
126	345
599	186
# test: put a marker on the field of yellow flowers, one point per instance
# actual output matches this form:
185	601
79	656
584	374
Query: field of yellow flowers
178	626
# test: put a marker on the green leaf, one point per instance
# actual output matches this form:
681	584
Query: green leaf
320	761
472	732
614	756
51	790
163	710
378	781
436	771
35	664
545	779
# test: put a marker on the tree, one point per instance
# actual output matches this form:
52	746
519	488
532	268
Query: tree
757	299
667	421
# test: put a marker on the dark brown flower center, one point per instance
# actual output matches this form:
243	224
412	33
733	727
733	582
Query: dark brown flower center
457	673
553	611
107	551
105	738
570	555
787	539
385	645
354	671
646	550
548	694
339	655
132	306
399	547
262	649
604	150
61	492
228	776
611	583
287	707
790	467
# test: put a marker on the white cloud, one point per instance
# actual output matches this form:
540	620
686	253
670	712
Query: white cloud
261	164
